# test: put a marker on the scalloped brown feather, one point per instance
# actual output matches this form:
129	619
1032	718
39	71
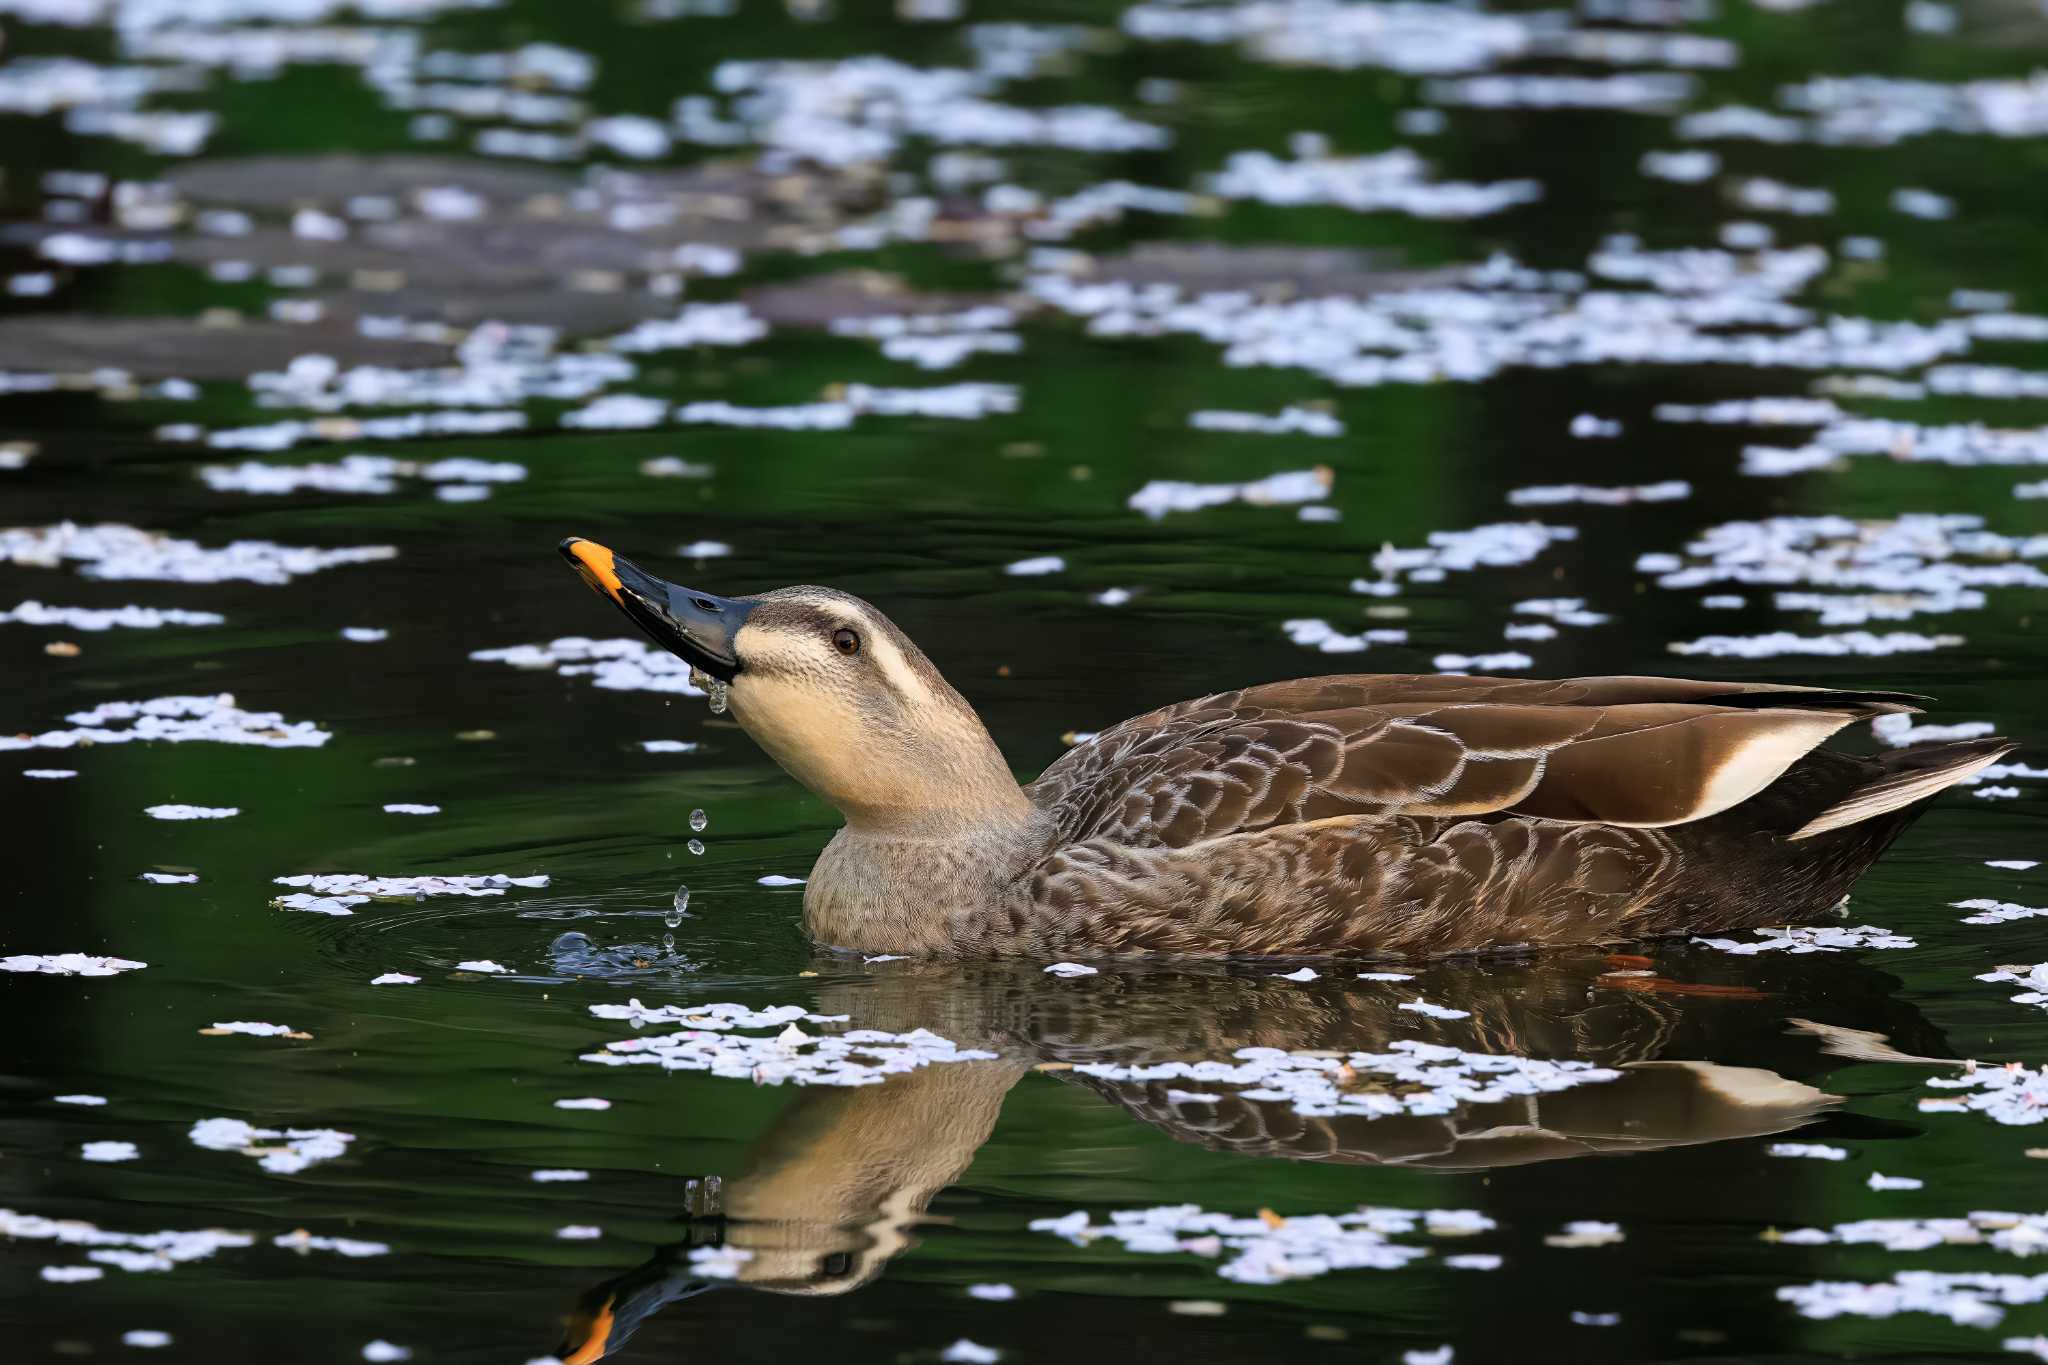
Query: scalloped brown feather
1626	751
1413	816
1403	816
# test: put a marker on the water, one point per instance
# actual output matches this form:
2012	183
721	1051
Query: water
1069	553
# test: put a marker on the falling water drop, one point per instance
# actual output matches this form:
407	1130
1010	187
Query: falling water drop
695	846
674	914
668	944
698	820
717	697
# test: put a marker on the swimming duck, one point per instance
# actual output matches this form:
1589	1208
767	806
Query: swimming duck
1393	816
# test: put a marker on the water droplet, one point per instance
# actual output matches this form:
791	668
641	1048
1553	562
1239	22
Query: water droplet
668	944
695	846
674	914
698	820
718	691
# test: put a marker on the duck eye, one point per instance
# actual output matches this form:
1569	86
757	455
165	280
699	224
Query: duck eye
845	641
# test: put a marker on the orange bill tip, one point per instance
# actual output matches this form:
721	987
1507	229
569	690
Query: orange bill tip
597	1333
595	564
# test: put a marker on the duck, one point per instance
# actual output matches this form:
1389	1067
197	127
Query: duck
1399	817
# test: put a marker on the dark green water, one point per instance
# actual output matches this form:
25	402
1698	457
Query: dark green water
868	1212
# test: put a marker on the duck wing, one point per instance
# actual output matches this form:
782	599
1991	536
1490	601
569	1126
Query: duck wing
1627	751
1655	1105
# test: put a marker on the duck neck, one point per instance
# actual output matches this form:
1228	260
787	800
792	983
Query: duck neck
902	873
953	787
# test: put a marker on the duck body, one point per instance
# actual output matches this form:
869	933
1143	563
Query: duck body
1259	823
1370	816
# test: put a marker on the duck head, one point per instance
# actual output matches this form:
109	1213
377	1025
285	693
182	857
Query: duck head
835	693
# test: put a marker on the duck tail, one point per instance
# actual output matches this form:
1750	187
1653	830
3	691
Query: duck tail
1906	777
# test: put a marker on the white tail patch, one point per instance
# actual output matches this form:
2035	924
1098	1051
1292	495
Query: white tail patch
1703	763
1890	793
1761	754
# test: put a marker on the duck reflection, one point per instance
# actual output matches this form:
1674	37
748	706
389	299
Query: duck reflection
828	1196
836	1187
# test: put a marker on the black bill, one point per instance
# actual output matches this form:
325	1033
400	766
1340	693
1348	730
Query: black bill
694	625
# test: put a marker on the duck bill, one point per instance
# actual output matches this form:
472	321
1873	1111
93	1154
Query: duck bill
610	1314
696	626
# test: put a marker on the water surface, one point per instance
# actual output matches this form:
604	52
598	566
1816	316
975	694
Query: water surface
1397	367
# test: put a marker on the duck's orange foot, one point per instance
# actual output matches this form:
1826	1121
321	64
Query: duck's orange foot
1650	981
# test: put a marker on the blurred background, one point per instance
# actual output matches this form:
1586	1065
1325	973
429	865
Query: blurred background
1120	353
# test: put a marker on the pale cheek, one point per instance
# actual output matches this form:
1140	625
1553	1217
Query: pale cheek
832	747
802	725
